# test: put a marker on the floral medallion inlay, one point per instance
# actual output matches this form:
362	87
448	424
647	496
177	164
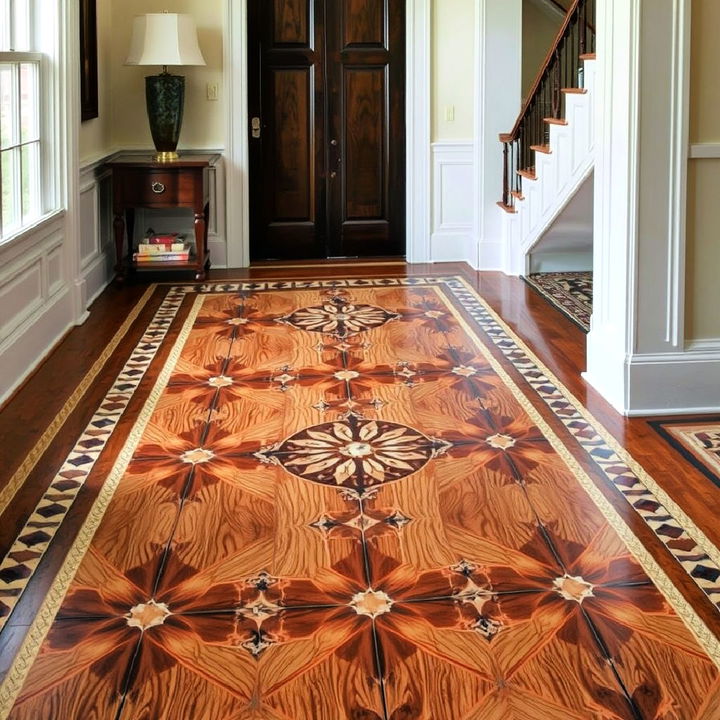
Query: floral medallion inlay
197	456
371	603
355	452
147	615
340	320
575	589
501	442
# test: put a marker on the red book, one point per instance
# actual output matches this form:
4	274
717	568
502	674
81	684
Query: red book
163	239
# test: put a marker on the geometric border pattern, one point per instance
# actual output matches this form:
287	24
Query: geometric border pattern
661	428
684	540
574	302
23	558
687	544
563	404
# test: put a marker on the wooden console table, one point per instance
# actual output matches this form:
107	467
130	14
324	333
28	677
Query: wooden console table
140	182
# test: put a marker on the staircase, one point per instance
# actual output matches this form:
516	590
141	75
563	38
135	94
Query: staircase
549	154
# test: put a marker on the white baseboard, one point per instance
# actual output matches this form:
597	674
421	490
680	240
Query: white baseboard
667	384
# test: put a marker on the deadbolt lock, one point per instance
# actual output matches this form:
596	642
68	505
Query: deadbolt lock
255	127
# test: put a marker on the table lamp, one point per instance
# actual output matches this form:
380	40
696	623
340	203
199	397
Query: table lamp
165	39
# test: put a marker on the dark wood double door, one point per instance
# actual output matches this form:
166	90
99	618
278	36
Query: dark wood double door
326	93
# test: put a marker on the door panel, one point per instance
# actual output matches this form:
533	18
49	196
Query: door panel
366	102
292	146
363	23
365	143
291	22
285	86
326	81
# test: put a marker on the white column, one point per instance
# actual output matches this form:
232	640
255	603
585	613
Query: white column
498	78
636	347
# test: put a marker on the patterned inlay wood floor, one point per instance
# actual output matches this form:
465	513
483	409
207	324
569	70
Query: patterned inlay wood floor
569	292
341	500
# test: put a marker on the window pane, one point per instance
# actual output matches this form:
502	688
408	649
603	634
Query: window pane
10	214
28	102
6	104
5	24
21	12
30	171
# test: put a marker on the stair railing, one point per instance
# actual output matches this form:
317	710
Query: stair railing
560	73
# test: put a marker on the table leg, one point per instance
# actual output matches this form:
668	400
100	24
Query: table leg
200	243
119	227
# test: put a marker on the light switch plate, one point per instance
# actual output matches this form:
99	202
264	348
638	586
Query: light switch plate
213	91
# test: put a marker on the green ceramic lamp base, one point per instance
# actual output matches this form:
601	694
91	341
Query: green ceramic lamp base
165	96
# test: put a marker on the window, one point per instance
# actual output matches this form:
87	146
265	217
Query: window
21	141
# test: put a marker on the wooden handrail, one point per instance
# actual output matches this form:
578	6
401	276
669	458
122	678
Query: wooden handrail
512	135
560	73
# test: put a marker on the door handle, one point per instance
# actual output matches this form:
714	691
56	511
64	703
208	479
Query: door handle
255	127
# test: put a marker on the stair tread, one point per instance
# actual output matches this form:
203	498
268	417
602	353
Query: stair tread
517	195
545	149
588	56
555	121
529	174
507	208
574	91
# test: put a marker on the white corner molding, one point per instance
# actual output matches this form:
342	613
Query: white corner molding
705	151
453	237
498	97
418	118
637	358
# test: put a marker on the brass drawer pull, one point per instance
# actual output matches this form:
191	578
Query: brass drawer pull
158	188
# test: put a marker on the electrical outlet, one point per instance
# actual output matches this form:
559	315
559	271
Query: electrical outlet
450	113
213	91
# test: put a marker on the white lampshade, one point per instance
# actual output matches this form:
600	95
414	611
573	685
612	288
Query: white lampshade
164	39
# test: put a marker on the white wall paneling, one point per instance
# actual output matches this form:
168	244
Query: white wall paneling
705	151
36	304
637	357
97	248
453	237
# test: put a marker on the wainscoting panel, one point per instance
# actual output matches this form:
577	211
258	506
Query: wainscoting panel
453	236
36	306
97	249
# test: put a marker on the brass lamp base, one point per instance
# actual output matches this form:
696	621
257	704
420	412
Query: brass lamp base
165	157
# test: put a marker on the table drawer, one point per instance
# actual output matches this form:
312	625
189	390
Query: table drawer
159	188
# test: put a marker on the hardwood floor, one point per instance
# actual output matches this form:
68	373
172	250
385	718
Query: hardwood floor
489	586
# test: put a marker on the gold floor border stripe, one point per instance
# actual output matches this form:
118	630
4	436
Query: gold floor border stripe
25	658
31	459
707	639
673	508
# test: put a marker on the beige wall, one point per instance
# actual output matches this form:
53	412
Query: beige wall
453	25
123	119
95	134
703	258
538	33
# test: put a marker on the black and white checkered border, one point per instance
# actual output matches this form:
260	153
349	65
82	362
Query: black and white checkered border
703	570
21	561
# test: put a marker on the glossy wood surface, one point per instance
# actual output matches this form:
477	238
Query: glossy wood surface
326	83
415	665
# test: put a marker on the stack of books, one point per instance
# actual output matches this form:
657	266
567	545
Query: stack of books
162	248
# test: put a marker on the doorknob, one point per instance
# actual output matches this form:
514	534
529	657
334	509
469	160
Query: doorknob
333	143
255	126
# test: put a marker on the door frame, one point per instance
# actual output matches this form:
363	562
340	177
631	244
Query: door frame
417	129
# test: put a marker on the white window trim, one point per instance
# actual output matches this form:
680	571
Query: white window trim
50	131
